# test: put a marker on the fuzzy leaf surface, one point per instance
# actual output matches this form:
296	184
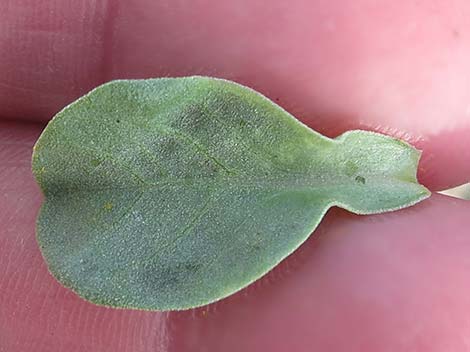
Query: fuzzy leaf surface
172	193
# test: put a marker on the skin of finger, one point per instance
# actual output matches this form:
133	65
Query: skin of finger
391	282
392	66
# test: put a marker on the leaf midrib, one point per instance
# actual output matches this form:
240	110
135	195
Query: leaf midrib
242	183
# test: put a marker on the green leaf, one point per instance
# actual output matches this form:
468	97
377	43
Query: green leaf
173	193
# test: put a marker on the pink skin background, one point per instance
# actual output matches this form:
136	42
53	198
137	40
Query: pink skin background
392	282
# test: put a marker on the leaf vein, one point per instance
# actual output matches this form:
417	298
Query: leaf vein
198	147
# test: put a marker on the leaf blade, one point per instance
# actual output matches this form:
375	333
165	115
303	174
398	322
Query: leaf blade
173	193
